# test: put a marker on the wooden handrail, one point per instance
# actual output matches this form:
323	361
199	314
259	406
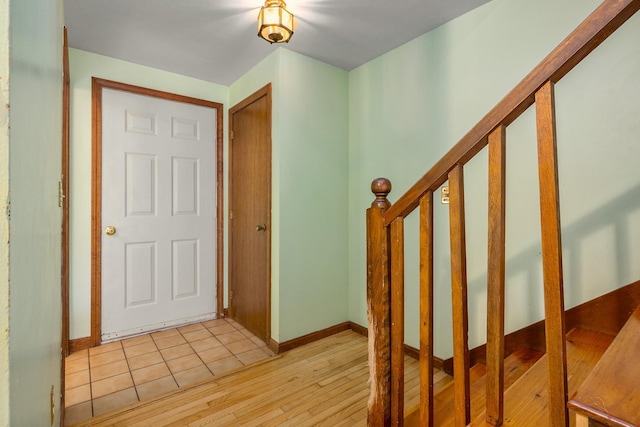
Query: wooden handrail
607	18
385	248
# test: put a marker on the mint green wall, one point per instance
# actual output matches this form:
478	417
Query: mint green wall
309	214
313	196
33	150
409	106
83	66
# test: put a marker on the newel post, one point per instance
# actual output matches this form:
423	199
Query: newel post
378	307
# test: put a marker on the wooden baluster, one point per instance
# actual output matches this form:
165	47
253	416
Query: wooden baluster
495	277
378	308
552	256
426	310
459	298
397	322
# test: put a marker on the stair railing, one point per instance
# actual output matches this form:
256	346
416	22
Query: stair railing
385	248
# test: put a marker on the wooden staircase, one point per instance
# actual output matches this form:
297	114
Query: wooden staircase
540	396
611	393
515	366
526	395
527	401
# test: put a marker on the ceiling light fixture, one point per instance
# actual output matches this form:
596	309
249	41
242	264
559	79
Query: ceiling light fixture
275	23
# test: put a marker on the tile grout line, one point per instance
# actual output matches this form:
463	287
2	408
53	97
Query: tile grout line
163	359
192	349
121	347
225	346
228	349
214	336
90	382
126	358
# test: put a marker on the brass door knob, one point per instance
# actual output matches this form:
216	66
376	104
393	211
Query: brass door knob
110	230
261	227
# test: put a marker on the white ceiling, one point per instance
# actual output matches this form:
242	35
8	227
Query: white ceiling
215	40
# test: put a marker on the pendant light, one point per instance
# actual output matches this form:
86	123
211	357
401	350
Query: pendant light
275	22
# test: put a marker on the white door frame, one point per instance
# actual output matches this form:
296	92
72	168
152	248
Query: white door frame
96	192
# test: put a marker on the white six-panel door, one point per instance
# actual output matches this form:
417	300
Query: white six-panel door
158	193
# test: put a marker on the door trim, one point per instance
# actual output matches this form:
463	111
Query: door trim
97	85
64	196
64	202
263	92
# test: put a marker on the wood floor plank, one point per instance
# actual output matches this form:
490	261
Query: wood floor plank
297	405
215	422
291	391
322	383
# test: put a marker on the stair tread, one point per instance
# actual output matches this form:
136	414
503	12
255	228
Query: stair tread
611	390
515	365
526	402
412	417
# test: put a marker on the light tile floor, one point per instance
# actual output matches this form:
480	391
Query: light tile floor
114	375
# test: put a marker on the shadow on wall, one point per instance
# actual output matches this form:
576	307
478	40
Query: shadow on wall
614	223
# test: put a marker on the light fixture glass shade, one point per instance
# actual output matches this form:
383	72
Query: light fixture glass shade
275	23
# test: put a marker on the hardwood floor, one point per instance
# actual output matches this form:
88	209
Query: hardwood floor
322	383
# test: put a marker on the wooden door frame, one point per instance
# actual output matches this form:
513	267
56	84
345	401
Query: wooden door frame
64	202
97	85
64	196
263	92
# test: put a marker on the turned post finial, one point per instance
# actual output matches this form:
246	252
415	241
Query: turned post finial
381	187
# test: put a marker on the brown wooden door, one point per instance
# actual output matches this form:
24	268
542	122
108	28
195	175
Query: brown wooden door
250	213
